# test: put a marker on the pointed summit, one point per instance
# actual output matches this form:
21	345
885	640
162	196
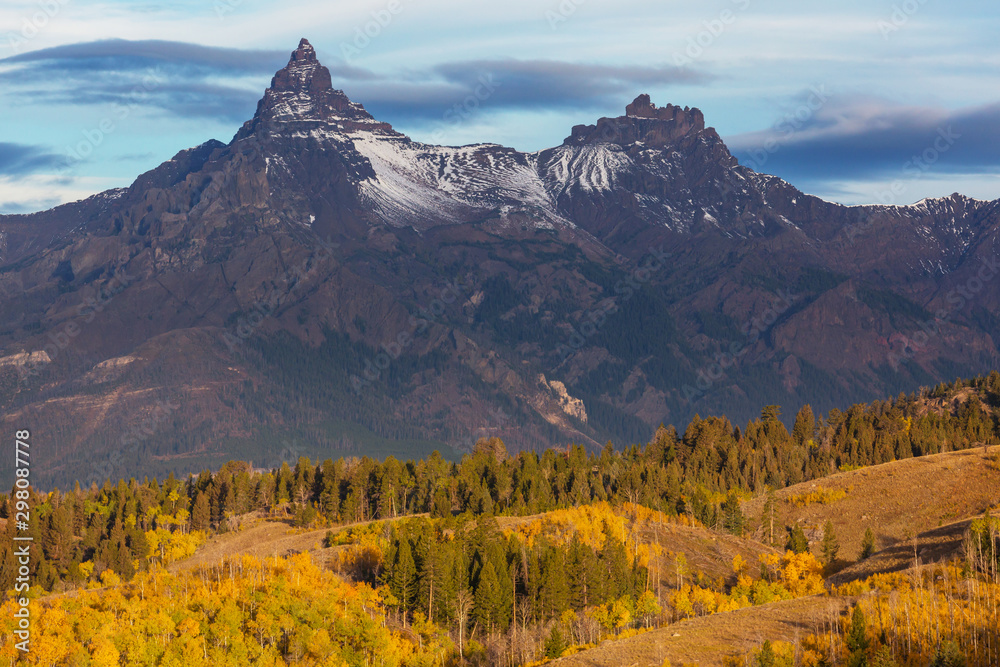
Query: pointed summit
305	51
303	73
302	95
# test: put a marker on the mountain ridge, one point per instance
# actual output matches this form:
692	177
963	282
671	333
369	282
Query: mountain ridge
318	236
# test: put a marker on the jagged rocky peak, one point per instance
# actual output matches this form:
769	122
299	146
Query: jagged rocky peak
643	122
302	94
688	118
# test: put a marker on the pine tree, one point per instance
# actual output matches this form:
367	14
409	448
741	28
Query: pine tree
768	515
284	484
797	541
200	513
581	567
949	654
732	516
766	656
442	503
883	658
805	426
58	538
830	544
403	580
857	639
867	545
614	567
554	594
555	644
488	599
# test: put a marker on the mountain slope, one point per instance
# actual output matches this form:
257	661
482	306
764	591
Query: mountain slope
324	282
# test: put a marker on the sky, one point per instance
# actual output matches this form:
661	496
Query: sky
874	101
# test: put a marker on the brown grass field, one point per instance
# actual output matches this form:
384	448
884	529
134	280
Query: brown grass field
707	640
262	537
897	500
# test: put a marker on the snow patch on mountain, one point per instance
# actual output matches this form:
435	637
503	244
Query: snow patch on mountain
589	167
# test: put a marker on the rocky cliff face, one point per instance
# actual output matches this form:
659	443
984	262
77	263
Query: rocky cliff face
323	285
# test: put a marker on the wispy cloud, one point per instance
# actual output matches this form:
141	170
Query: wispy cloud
870	137
22	159
192	80
536	85
202	81
121	54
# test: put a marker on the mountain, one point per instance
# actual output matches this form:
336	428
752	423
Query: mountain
323	285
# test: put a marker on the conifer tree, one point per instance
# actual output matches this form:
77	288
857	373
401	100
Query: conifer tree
403	580
200	513
797	541
867	544
488	598
581	568
857	639
766	656
768	514
554	593
948	654
830	544
732	516
555	644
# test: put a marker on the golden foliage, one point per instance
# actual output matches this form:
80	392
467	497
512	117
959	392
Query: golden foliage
245	611
820	495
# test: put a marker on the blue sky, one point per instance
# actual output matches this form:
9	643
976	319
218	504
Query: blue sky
857	102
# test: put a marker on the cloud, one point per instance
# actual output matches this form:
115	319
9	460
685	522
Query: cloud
871	137
190	80
21	159
537	85
551	83
186	80
193	60
123	55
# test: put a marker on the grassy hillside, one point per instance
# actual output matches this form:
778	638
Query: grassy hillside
708	640
909	504
896	500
